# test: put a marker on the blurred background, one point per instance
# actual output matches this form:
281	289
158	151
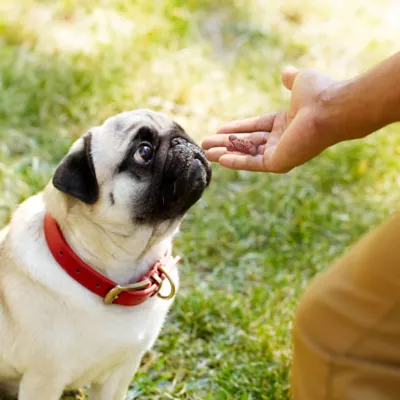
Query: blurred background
253	243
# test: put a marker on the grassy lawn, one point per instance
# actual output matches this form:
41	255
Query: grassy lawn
253	243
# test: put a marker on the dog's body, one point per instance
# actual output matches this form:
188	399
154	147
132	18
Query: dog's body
54	333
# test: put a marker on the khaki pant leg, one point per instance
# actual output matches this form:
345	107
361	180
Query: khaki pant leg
346	335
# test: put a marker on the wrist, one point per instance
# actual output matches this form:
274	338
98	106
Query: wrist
344	114
355	108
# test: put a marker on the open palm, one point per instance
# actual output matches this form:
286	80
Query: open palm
284	140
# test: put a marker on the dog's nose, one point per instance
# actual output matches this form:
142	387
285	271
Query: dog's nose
186	145
197	154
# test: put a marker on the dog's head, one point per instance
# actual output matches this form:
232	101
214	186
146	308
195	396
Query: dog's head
138	167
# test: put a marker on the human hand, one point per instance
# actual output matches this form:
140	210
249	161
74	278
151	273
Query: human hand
281	140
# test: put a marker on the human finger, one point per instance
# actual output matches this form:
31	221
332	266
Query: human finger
260	123
214	154
242	162
289	75
257	138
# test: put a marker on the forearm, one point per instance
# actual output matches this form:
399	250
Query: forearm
360	106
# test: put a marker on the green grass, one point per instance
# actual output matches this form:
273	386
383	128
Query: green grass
254	241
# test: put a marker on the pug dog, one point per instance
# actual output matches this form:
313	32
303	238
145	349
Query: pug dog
86	271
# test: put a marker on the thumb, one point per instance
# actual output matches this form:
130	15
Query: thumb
289	75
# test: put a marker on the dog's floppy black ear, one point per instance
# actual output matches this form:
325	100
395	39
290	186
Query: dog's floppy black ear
76	175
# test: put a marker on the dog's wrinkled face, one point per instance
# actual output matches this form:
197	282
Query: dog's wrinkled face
138	167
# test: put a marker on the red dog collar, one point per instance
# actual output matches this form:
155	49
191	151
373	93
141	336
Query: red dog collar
110	291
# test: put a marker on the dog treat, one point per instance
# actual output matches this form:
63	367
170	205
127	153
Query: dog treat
242	145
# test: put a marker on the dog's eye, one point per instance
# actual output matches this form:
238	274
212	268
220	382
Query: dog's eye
143	154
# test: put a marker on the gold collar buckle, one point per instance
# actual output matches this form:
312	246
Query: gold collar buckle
158	279
114	293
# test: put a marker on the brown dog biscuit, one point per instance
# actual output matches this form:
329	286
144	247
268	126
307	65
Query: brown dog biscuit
242	145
